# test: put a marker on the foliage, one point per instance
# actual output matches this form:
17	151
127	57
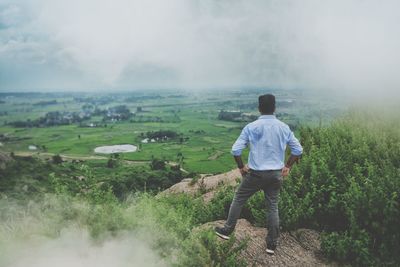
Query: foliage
157	164
221	254
166	224
347	185
162	134
113	160
26	176
57	159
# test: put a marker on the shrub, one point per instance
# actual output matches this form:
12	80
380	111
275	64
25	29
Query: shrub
57	159
347	186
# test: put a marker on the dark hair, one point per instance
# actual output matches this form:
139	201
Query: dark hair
266	103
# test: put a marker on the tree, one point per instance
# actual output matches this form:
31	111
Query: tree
57	159
113	161
157	164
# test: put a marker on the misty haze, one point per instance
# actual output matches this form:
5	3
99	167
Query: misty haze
170	133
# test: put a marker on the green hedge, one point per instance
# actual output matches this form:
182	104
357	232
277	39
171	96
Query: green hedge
348	185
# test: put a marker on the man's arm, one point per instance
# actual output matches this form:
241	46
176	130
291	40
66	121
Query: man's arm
292	160
238	146
296	151
242	168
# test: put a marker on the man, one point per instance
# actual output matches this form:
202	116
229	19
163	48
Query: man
267	137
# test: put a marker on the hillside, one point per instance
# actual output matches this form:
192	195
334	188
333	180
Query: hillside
297	248
345	188
206	185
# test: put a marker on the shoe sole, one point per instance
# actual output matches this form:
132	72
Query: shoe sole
222	236
270	251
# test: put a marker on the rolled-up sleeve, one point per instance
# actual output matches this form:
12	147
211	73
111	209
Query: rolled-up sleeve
295	147
240	143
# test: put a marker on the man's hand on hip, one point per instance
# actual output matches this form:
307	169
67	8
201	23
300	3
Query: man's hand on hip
244	170
285	171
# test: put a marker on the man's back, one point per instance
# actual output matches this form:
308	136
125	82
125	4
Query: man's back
267	138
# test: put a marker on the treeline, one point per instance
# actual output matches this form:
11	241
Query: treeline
236	116
22	177
148	118
141	98
279	104
56	118
134	99
45	103
162	134
53	118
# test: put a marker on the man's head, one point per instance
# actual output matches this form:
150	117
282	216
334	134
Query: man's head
266	104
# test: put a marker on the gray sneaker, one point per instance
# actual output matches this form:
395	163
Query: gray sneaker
222	232
270	249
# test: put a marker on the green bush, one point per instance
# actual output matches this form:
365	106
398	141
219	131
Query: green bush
347	185
219	253
165	224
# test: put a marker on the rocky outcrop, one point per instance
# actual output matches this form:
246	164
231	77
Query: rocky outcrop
205	185
297	248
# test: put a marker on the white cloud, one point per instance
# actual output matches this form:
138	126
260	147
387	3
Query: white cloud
130	43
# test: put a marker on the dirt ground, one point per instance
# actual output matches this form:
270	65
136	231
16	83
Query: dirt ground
297	248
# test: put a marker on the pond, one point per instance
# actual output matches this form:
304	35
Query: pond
115	149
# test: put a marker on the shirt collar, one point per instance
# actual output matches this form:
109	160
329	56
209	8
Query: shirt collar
267	117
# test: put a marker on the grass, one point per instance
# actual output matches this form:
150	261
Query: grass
196	151
198	121
67	227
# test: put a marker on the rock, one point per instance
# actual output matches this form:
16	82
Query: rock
206	184
297	248
81	178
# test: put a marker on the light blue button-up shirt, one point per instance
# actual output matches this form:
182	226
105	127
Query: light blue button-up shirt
268	138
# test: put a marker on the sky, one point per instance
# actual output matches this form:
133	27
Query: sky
342	45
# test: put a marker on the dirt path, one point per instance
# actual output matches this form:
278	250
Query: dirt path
216	155
47	155
298	248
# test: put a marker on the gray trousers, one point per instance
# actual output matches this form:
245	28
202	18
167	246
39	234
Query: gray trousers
268	181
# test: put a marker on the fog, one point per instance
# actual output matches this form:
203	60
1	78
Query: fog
191	44
70	232
74	248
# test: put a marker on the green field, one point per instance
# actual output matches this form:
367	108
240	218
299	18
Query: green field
206	148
